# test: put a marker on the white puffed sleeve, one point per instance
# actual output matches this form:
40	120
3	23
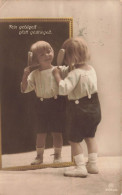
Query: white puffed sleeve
31	83
68	84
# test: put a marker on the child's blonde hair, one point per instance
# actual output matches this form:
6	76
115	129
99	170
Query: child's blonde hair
37	48
76	51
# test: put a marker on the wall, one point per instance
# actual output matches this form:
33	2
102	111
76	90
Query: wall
100	23
2	2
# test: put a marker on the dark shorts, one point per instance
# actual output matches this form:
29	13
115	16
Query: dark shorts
83	118
50	115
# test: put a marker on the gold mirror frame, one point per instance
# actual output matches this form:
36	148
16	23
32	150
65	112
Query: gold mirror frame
31	167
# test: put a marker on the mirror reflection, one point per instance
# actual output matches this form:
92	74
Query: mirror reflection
33	115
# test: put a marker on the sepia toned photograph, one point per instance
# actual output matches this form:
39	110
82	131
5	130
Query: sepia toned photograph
60	97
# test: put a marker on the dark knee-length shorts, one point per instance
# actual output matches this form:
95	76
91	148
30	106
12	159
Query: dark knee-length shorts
83	118
50	115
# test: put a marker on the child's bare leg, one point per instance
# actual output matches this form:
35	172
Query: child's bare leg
91	145
76	148
57	144
92	155
40	145
40	140
80	169
57	140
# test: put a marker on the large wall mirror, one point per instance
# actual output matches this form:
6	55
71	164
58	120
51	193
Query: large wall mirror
17	135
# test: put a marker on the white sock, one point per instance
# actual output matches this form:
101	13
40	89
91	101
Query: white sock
79	159
40	151
92	157
57	150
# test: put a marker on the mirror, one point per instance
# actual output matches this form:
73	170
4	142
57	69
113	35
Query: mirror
17	134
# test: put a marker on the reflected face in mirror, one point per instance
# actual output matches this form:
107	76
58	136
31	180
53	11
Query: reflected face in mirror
46	57
25	115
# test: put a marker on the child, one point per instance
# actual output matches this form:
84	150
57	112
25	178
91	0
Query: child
84	112
50	108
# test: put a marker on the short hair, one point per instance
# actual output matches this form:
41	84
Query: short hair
37	48
76	51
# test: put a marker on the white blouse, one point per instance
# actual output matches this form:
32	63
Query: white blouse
44	83
79	83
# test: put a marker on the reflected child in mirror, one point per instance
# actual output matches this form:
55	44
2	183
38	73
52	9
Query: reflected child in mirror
50	107
84	113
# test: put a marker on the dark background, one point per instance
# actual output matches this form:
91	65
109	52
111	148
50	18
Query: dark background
17	118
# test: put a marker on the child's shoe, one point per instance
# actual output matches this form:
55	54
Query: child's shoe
80	169
77	172
57	155
91	164
39	159
92	168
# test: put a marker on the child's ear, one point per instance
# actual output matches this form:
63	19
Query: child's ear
60	57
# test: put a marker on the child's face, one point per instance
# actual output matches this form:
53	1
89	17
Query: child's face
45	57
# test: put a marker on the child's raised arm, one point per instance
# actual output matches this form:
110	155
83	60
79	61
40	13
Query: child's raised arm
24	82
57	74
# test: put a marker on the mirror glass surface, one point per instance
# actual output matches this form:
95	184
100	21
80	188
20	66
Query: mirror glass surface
17	134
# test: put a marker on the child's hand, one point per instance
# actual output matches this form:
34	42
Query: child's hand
56	71
24	82
27	71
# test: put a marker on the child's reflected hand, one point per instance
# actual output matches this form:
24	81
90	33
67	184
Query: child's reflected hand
27	71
